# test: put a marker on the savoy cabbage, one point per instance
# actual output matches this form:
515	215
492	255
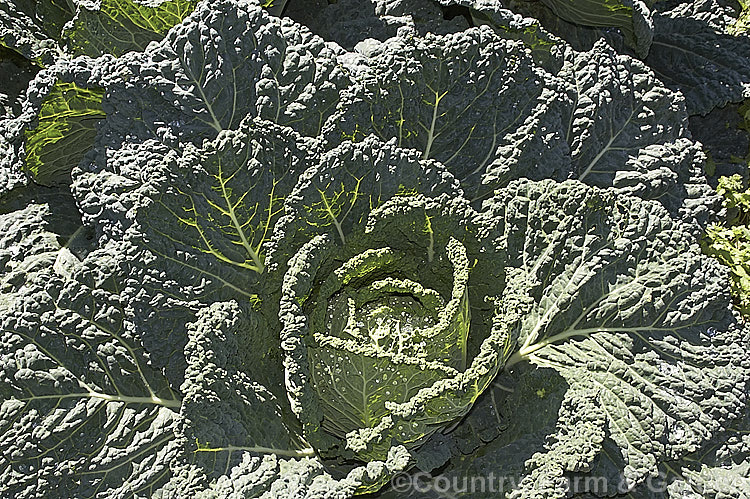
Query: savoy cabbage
300	249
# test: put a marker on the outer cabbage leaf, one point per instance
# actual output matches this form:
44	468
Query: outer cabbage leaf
634	19
720	469
573	443
83	412
58	118
225	61
630	313
724	135
577	36
618	127
516	415
228	407
713	482
693	53
453	98
15	74
198	232
205	214
196	229
623	119
546	48
11	175
40	228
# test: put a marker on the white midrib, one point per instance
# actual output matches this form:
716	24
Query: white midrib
606	148
92	393
254	255
597	158
528	350
245	243
336	223
204	271
554	308
431	130
215	125
529	346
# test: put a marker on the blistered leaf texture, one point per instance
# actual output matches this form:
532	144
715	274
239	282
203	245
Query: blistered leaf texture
693	52
79	397
633	316
226	61
454	98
